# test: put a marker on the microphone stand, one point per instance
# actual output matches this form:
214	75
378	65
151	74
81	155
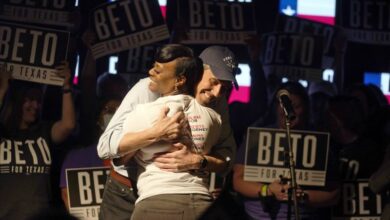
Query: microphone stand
291	164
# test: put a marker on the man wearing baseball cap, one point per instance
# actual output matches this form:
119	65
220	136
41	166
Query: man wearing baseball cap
220	68
218	78
209	92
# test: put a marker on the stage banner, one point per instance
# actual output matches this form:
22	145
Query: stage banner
365	21
32	53
85	191
291	55
126	24
265	155
215	22
292	24
358	202
55	12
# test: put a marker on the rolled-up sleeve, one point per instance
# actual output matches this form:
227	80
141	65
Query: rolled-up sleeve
109	141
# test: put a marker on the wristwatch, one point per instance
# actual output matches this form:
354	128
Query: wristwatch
203	162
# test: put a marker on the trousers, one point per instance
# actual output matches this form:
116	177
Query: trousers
172	207
118	201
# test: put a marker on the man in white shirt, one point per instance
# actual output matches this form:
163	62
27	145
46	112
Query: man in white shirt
217	79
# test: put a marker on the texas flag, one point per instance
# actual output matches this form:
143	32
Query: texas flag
319	10
242	94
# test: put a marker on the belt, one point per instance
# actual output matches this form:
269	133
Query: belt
122	179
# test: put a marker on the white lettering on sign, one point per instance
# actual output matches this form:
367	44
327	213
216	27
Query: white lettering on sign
369	14
21	150
266	140
5	152
356	200
300	26
349	168
289	49
13	47
106	23
90	189
57	4
84	188
264	153
98	187
139	58
203	14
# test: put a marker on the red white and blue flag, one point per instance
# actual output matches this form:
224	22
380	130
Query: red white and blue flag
320	10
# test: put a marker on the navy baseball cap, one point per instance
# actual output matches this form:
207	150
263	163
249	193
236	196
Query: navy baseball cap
222	62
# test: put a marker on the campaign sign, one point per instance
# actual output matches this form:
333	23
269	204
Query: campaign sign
122	25
293	24
216	22
137	60
266	159
365	21
291	55
54	12
85	191
32	53
358	202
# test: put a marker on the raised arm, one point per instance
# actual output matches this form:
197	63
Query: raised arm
62	128
88	84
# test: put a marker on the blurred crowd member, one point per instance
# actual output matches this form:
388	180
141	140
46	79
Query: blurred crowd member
359	155
319	94
258	100
100	97
28	143
95	88
376	112
87	157
274	204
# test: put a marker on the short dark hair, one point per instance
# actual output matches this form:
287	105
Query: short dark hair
188	65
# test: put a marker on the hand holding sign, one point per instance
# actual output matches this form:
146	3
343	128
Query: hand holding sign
63	71
278	190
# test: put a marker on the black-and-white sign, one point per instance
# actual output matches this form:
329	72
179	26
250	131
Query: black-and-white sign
137	60
358	202
265	155
126	24
32	53
54	12
365	21
216	22
295	56
292	24
85	191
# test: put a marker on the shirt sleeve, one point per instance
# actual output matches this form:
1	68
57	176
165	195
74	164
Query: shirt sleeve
226	147
109	141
